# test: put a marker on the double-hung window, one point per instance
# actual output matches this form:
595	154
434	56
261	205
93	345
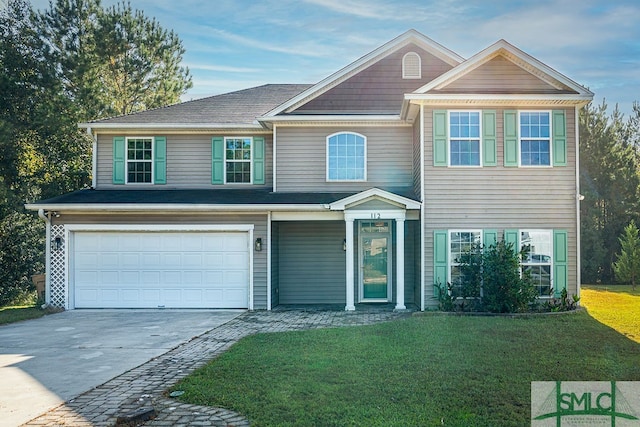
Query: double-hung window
238	156
464	138
535	138
346	157
538	263
460	243
139	160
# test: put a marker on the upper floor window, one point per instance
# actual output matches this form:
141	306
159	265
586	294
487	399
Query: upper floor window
464	138
139	160
346	157
411	66
535	138
238	160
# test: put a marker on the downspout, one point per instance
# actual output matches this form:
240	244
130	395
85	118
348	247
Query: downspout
578	199
275	144
422	216
94	157
47	254
269	261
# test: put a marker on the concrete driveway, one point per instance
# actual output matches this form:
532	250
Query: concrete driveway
47	361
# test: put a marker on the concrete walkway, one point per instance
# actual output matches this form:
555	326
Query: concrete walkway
143	387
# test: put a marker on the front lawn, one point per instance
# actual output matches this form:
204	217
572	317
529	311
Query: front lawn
17	313
617	306
429	370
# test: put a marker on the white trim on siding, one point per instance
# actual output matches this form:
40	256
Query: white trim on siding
578	235
274	180
422	213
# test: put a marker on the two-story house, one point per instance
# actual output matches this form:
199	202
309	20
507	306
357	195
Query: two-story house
364	187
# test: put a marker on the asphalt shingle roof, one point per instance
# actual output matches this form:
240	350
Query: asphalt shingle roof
240	107
195	197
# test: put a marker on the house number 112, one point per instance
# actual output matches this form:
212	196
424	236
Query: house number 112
375	215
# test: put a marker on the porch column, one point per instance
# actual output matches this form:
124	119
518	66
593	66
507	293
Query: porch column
400	264
350	268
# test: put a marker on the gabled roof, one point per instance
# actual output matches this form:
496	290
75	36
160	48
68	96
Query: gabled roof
411	36
233	109
374	194
565	89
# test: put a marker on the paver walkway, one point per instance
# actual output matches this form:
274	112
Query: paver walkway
144	386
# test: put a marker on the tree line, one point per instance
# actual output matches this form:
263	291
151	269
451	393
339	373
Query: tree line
77	61
72	62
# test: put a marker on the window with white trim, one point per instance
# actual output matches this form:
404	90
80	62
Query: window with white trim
535	138
460	243
464	138
139	160
238	156
539	261
346	157
411	66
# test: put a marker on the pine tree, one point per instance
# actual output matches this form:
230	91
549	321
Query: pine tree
627	268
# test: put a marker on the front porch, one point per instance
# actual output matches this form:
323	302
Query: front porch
365	250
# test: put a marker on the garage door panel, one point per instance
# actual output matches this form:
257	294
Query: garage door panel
167	269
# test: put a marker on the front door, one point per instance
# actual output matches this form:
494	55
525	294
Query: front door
375	261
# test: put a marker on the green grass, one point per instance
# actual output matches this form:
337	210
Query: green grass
430	370
18	313
617	306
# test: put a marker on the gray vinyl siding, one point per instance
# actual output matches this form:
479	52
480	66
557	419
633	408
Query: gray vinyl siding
302	162
501	75
188	162
416	158
275	264
380	87
411	234
260	230
312	265
500	198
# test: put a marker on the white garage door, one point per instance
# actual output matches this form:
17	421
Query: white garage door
160	269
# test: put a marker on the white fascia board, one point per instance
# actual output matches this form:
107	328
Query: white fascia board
331	118
411	36
498	99
161	207
169	126
340	205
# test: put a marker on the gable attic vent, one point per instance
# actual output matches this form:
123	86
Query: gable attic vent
411	66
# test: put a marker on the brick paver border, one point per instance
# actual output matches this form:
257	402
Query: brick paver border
144	386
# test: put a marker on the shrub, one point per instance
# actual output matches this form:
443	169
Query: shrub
505	289
21	243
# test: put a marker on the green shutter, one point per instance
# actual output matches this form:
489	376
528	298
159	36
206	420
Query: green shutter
119	161
217	160
560	260
160	160
559	138
489	237
258	160
511	138
489	151
440	133
513	237
440	264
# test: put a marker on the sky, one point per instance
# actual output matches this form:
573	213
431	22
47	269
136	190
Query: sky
236	44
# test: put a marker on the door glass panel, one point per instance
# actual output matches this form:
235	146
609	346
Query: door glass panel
374	262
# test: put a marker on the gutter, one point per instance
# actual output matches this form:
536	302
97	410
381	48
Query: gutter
165	207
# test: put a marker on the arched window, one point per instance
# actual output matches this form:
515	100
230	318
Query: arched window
411	66
346	157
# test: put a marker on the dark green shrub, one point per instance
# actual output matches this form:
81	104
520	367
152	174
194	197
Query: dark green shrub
21	255
504	289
